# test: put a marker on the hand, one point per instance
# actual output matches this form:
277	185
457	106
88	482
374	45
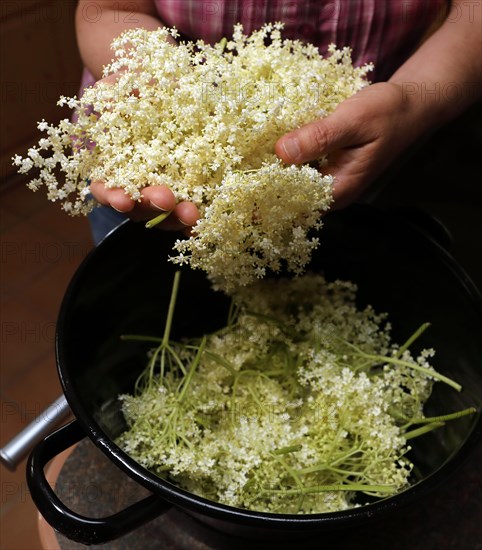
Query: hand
154	200
364	134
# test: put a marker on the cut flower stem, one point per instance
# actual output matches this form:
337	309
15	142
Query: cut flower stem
395	361
158	219
444	417
335	487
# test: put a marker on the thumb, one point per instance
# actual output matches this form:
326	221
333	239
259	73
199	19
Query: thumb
316	139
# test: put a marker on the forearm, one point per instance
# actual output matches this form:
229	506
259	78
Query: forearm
444	76
98	23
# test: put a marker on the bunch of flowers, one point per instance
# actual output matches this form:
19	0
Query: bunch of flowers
301	404
204	120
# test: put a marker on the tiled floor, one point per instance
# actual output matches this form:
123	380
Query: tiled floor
40	250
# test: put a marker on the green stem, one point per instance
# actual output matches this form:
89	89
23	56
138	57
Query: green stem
221	361
177	359
158	219
412	339
414	366
195	363
222	43
152	364
322	467
140	338
445	417
168	325
172	305
347	455
232	313
294	475
286	450
340	487
423	430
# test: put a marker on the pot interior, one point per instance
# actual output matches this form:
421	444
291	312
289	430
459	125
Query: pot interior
124	287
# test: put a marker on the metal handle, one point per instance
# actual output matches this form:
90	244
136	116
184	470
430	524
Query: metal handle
60	517
20	446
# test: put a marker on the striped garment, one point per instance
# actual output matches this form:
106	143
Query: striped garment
384	32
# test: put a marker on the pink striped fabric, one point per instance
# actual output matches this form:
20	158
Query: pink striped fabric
384	32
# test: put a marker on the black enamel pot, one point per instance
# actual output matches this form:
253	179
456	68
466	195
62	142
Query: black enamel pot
124	286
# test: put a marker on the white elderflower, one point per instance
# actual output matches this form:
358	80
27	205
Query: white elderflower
258	220
199	118
273	413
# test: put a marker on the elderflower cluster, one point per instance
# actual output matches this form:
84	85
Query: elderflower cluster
198	118
256	220
301	404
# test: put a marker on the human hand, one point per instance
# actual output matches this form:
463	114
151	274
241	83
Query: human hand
154	200
364	134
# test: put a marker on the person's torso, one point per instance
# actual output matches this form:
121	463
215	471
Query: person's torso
384	32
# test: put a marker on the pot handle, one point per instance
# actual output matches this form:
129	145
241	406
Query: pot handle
75	526
21	445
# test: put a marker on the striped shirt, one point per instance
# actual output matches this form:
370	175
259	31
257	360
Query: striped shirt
385	32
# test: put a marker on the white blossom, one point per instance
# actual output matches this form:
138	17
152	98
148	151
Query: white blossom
200	118
283	399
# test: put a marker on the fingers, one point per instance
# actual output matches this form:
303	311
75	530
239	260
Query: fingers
154	200
358	140
159	198
182	218
353	169
109	79
317	139
111	197
186	213
346	147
